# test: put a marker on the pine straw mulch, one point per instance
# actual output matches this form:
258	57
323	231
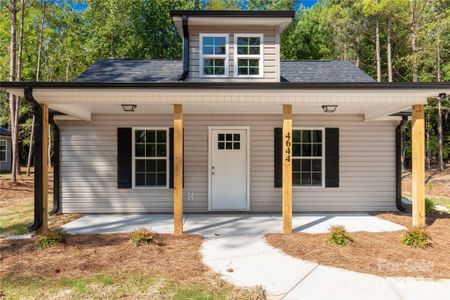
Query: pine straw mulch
82	256
377	253
86	254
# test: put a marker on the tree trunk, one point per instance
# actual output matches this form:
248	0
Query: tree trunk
12	99
389	47
113	49
30	150
441	151
41	38
67	69
427	139
412	28
358	49
22	29
377	46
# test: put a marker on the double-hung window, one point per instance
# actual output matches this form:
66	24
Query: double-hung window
2	150
307	157
150	158
214	55
248	59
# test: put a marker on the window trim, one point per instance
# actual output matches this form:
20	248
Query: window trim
212	56
133	159
313	157
251	56
6	150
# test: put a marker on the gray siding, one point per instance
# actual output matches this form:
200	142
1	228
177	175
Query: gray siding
5	166
271	56
89	149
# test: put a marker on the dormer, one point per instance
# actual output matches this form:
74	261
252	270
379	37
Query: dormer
232	46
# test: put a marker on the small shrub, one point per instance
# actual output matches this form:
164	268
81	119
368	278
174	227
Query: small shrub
143	236
416	238
429	206
339	236
51	238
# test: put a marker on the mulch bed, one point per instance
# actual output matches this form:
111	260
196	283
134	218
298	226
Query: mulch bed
83	255
377	253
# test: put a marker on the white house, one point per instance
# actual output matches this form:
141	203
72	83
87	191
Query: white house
229	128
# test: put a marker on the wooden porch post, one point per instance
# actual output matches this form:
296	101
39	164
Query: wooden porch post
44	151
287	168
178	169
418	165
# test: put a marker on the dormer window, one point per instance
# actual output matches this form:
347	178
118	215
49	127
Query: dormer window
248	59
214	55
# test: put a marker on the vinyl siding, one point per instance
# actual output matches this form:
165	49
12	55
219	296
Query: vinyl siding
5	166
89	150
271	56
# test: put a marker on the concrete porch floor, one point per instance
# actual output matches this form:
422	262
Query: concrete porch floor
228	224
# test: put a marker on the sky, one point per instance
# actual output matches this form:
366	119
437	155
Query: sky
82	6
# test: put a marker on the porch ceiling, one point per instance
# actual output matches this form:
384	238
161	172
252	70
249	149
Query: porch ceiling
373	103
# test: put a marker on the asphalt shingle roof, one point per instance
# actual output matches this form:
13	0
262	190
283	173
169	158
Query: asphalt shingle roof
127	70
4	132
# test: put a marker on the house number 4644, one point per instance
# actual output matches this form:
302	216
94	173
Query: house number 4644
288	146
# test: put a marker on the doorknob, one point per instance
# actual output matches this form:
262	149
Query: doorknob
212	170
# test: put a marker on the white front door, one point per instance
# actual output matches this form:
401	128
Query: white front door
228	168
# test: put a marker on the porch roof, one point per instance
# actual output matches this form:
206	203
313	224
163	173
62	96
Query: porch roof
371	99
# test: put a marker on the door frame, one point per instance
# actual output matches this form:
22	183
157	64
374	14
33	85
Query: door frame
210	130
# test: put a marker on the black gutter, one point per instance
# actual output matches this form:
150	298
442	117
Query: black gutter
56	165
398	166
234	13
229	85
38	205
185	73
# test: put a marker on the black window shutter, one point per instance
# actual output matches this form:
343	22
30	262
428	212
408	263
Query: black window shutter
278	157
124	159
331	157
171	158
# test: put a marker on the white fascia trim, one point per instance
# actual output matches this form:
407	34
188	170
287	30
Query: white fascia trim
202	56
260	56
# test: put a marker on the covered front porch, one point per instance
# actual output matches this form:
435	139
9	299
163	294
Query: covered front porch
368	103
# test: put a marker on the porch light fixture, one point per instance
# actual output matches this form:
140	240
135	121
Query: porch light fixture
329	108
129	107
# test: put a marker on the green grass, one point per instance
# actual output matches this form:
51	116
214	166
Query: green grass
436	200
118	287
440	201
15	219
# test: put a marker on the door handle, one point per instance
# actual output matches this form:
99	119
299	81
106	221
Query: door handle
212	170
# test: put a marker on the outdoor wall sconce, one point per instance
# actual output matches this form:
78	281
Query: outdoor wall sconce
329	108
129	107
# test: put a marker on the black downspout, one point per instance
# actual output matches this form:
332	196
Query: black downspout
185	73
398	164
56	167
38	205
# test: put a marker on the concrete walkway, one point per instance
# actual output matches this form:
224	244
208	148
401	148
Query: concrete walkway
235	248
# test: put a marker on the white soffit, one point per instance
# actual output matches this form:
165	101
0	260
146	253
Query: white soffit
232	21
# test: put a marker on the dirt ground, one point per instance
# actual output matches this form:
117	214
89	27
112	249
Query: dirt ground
13	194
377	253
437	183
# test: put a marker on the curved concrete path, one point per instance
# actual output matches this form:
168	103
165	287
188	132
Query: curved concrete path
236	243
